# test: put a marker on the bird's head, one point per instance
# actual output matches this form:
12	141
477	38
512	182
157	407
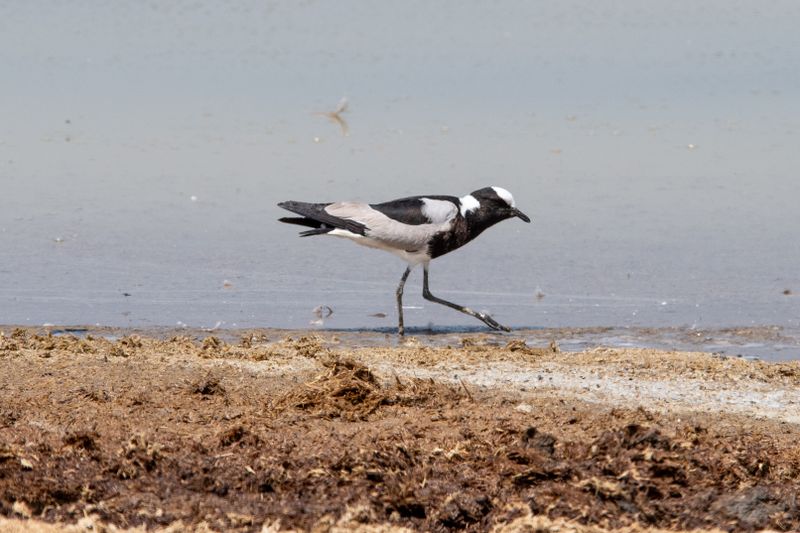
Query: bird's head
492	202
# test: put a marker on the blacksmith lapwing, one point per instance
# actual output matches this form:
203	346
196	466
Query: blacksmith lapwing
417	228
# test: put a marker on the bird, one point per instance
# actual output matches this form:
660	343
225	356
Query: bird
418	229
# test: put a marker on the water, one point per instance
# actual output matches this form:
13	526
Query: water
143	150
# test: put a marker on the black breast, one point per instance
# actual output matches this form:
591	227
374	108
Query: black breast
447	241
463	231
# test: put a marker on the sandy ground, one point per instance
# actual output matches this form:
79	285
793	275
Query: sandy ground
269	432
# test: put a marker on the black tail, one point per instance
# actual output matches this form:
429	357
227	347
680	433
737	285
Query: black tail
315	216
319	227
302	221
321	231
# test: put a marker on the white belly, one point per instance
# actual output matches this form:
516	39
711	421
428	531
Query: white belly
412	257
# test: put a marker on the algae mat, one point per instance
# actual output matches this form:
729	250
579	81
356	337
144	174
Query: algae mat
308	433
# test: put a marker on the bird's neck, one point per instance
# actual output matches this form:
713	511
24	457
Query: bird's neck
478	221
464	230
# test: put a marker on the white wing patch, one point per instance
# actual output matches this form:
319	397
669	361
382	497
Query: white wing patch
505	195
468	204
438	211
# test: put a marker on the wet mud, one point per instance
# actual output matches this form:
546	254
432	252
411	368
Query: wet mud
305	433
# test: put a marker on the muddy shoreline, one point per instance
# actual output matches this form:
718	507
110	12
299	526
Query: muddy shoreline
480	432
767	342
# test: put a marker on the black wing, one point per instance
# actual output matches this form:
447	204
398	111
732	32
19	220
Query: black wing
409	210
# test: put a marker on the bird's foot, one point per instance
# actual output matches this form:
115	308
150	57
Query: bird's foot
492	323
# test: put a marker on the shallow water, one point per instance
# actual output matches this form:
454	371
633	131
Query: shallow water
143	150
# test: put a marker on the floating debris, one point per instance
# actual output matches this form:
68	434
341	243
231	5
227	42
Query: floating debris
322	311
193	198
539	293
215	328
787	292
226	284
378	315
58	240
336	116
691	146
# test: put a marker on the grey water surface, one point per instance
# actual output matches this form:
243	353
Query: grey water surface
143	148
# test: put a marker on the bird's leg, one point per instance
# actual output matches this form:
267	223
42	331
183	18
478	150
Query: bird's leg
486	319
400	329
